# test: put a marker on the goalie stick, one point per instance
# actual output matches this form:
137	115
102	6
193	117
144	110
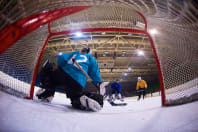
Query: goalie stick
102	89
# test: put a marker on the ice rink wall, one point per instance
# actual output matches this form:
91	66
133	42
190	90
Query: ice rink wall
27	25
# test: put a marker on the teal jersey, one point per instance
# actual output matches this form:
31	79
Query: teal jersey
87	63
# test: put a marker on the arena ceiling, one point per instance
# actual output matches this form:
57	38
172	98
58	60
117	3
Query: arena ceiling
118	54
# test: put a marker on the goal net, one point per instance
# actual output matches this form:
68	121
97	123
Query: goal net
17	64
176	43
178	55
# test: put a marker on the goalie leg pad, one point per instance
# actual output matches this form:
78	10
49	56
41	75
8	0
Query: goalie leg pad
87	101
90	104
96	97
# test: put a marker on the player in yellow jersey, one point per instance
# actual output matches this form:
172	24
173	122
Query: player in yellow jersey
141	87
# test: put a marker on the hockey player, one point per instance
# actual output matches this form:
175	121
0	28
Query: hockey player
72	79
141	88
116	90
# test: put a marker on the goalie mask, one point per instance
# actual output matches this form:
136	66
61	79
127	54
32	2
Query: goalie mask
86	50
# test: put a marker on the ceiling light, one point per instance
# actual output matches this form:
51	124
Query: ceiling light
129	68
123	53
78	34
153	31
60	53
140	53
106	52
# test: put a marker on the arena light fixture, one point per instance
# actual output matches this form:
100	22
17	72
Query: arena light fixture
125	74
140	53
78	34
153	31
106	52
60	53
123	53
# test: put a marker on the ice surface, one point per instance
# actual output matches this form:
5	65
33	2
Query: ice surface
20	115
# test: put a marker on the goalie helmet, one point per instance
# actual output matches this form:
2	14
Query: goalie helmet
86	50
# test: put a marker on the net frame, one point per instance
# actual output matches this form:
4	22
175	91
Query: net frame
51	34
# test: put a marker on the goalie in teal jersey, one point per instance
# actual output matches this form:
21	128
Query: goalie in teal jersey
72	80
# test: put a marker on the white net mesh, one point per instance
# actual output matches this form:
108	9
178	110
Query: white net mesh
176	43
177	50
17	64
99	17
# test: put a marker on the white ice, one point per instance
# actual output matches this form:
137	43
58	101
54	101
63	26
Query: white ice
20	115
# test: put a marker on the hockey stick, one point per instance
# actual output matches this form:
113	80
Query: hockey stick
102	89
76	63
